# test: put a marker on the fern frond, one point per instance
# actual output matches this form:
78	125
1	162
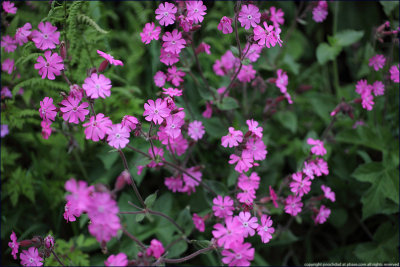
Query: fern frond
88	21
23	60
39	82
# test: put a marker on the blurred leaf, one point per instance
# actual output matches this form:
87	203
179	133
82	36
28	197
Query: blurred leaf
288	120
389	6
348	37
149	201
326	52
228	103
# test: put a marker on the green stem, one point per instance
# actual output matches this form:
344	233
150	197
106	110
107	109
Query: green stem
80	165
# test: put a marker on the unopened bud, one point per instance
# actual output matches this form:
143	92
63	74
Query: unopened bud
63	50
103	65
279	99
122	180
25	243
91	71
49	242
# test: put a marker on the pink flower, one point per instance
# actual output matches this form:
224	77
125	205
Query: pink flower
80	197
244	162
377	62
276	16
225	25
172	92
256	148
198	222
150	32
4	130
320	12
249	15
248	195
9	7
282	80
322	167
394	73
129	122
165	13
246	74
293	205
231	234
31	257
318	146
97	86
252	181
196	10
203	47
117	260
233	138
254	129
196	130
322	215
22	34
173	127
175	76
253	51
156	111
367	99
156	248
47	110
329	194
159	78
46	129
186	23
265	230
208	112
104	230
168	58
97	127
118	136
76	91
8	65
70	212
378	88
173	42
14	245
268	36
51	66
249	224
175	184
47	37
362	86
110	58
8	43
229	61
157	154
72	111
223	206
300	186
238	254
273	196
309	169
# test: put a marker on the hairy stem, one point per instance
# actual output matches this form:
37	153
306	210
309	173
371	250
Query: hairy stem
57	258
174	261
134	239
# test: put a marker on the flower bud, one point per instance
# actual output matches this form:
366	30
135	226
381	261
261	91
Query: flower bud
49	242
25	243
103	65
63	50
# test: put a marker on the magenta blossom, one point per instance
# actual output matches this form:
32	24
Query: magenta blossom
51	66
198	222
394	73
4	130
256	148
5	92
117	260
318	146
322	215
165	13
273	196
254	129
9	43
186	23
208	112
248	195
233	138
249	224
97	127
80	197
246	74
223	206
173	42
46	37
238	254
267	36
230	234
22	34
196	130
8	65
72	111
328	193
174	184
253	51
362	86
97	86
225	25
322	167
14	245
9	7
320	12
203	47
378	88
129	122
249	16
156	249
150	32
159	78
110	58
156	111
243	163
293	205
173	127
172	92
282	80
157	155
265	230
118	136
300	186
168	58
377	62
276	16
71	212
46	129
31	257
251	181
47	110
175	76
196	10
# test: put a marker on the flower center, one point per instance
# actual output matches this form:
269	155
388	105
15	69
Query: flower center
30	260
97	86
45	36
47	65
173	126
238	256
266	228
100	209
245	224
173	42
156	111
165	14
75	109
117	135
249	16
196	10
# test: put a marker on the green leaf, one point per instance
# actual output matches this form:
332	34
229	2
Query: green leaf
385	185
326	52
149	201
185	221
246	61
389	6
228	103
288	120
348	37
139	217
